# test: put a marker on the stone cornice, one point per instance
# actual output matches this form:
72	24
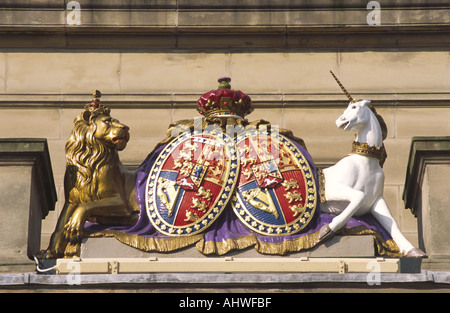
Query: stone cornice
170	24
220	5
262	100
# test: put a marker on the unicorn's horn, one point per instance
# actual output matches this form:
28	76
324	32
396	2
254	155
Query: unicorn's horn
343	88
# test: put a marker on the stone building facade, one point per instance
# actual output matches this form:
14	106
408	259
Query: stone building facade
152	59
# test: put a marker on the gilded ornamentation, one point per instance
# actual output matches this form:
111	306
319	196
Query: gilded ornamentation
191	217
364	149
199	205
293	197
224	101
297	209
195	176
204	183
205	194
167	194
97	186
269	197
261	201
291	184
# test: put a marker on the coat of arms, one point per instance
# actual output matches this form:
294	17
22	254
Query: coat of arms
277	189
191	182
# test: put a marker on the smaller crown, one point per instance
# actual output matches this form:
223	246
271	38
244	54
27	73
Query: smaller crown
224	101
95	107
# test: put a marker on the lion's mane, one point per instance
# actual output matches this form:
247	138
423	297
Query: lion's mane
85	155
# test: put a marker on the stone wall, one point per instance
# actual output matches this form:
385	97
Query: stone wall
153	59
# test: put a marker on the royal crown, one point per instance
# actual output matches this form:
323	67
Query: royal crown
224	101
95	107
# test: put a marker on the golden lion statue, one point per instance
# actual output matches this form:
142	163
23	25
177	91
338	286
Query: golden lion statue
97	187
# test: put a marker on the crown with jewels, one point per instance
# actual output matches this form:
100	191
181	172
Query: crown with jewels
224	101
95	107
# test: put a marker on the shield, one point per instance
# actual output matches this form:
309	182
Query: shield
191	182
276	194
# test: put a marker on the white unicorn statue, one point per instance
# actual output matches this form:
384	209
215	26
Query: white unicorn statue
354	186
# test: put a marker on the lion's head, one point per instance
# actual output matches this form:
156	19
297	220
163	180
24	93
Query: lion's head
93	143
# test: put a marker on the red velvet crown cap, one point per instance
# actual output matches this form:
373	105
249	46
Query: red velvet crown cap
224	101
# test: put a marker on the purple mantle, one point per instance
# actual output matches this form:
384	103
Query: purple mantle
227	226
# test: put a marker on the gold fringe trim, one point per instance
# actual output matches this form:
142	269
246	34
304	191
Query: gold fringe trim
277	248
385	248
321	185
289	245
223	247
149	244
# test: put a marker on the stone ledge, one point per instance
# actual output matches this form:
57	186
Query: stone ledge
188	100
219	13
186	4
348	254
210	4
215	38
186	282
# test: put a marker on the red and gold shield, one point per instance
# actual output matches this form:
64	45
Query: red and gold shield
276	194
191	182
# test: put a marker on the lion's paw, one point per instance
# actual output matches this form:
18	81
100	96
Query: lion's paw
73	230
49	254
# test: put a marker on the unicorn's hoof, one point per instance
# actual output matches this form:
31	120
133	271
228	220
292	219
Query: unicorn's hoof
416	253
325	233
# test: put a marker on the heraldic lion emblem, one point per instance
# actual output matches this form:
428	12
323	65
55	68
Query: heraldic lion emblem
98	188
